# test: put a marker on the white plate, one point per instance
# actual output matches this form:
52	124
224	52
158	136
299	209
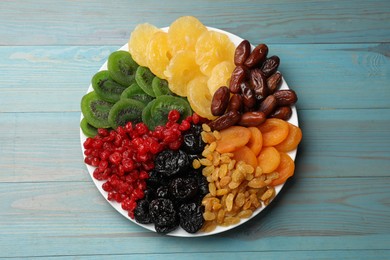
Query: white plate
180	232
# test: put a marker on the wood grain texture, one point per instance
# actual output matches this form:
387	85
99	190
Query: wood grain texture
334	54
325	76
56	218
110	23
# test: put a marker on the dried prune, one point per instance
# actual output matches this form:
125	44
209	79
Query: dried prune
183	188
203	185
191	217
162	192
164	229
154	179
192	140
141	212
162	212
170	162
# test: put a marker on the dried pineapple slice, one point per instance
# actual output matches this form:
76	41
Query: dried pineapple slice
158	54
181	69
139	40
184	32
212	48
220	76
199	97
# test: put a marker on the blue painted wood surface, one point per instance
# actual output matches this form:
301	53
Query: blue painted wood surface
335	54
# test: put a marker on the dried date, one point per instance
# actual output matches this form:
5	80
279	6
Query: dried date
283	113
220	101
242	52
258	82
253	118
248	96
235	103
268	105
273	82
257	56
270	65
238	76
226	120
285	97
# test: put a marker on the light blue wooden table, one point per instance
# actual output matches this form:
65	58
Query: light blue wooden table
335	54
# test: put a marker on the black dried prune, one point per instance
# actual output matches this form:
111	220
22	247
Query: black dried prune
192	140
191	217
170	162
183	188
203	184
154	179
162	192
141	212
162	212
164	229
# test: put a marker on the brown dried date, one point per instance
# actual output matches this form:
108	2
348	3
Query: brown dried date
285	97
268	105
220	101
270	65
248	97
235	103
258	83
226	120
254	118
238	76
283	113
242	52
273	82
257	56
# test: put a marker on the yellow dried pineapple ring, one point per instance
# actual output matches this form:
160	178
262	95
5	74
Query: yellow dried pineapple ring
158	54
220	76
199	97
139	40
212	48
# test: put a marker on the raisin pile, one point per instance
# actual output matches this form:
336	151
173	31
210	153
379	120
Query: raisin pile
174	189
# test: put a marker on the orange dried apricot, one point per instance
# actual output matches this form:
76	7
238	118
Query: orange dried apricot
246	155
232	138
292	140
274	131
285	169
255	141
268	159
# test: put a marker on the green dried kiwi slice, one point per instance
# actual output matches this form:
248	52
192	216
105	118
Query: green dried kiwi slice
144	78
166	103
160	87
125	110
95	110
88	130
147	115
135	92
122	67
107	88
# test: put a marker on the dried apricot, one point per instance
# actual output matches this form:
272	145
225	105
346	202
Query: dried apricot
255	141
274	131
246	155
292	140
232	138
268	159
285	169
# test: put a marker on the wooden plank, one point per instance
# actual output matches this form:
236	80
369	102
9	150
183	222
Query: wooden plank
101	22
60	75
72	218
46	146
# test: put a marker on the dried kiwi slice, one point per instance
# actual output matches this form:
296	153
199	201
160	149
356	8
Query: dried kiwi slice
160	87
125	110
135	92
147	115
122	67
105	87
166	103
95	110
144	78
88	130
